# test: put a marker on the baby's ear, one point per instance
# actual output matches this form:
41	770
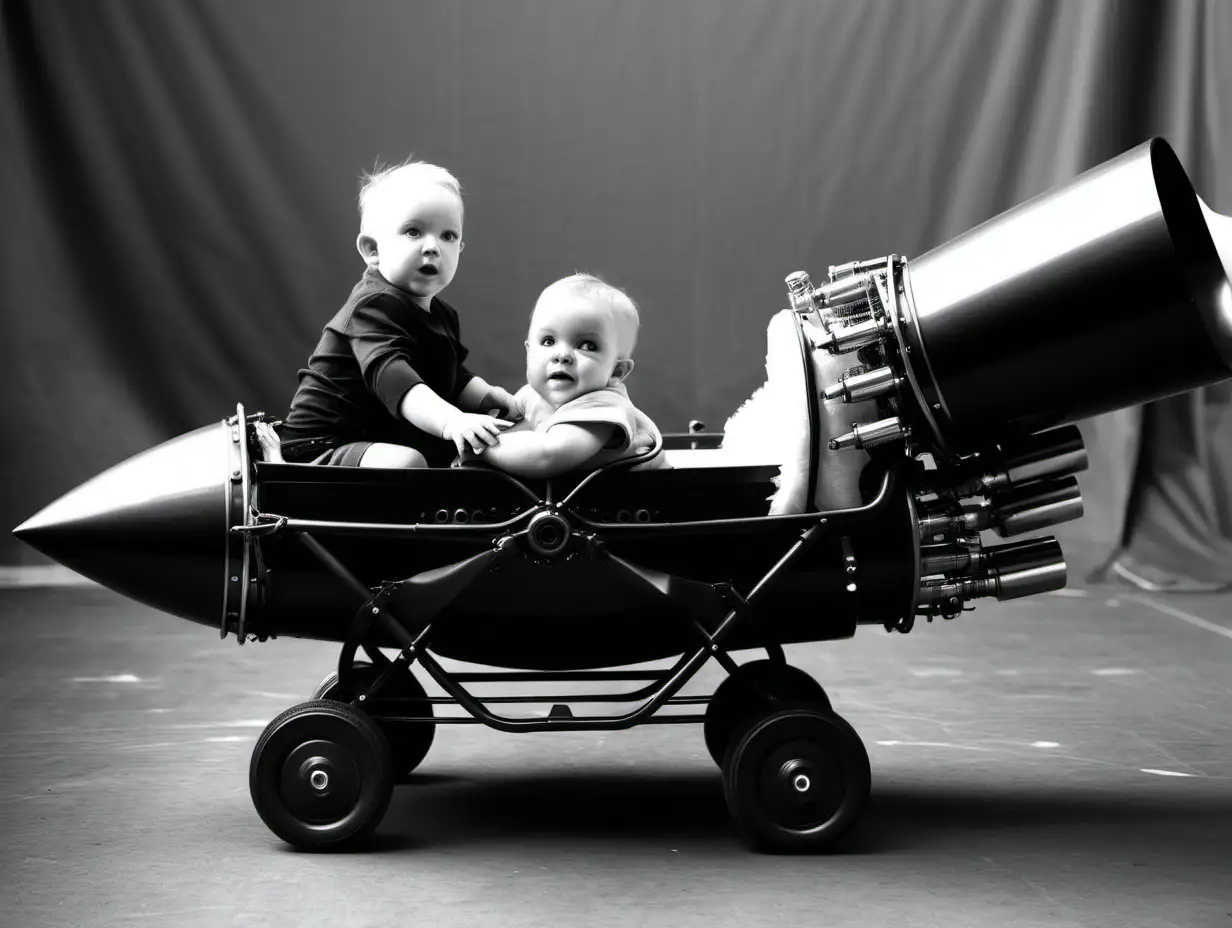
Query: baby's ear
622	369
366	246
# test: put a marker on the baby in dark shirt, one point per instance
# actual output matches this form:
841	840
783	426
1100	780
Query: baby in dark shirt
386	385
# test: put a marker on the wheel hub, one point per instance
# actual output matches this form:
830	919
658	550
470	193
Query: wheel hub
319	781
799	778
801	787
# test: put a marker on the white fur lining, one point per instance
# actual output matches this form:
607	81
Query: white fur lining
772	425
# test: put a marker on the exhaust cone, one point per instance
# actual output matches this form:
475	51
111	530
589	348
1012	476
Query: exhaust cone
1105	293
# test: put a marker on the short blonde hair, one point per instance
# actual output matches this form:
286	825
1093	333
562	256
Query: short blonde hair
595	288
412	170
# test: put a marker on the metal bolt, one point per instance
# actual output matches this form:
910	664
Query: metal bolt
801	783
235	579
376	611
362	697
319	779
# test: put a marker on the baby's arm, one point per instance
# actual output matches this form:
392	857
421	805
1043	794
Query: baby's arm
424	408
546	454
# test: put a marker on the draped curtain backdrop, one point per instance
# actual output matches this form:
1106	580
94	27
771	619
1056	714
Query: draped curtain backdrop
179	182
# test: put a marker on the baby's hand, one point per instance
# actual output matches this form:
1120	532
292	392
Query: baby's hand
474	431
498	401
267	438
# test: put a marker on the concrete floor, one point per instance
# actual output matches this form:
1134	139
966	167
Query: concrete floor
1062	760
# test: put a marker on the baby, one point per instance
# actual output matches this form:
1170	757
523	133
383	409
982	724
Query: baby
579	352
386	385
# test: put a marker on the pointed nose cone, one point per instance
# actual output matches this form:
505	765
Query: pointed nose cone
153	527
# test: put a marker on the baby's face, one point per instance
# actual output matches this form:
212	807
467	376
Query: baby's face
572	347
416	231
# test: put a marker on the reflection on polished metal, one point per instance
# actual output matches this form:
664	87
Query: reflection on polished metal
856	267
1013	512
843	338
1036	568
837	293
871	435
864	385
1016	461
1036	505
152	527
1055	453
951	559
1104	293
800	291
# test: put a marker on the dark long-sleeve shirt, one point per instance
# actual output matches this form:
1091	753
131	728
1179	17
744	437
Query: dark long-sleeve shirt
377	346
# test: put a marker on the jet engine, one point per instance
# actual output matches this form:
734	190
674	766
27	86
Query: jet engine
1107	292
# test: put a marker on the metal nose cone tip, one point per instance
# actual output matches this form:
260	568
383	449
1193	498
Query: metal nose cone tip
152	527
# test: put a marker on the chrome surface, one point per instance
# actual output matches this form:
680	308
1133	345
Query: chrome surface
1055	453
871	435
1036	505
855	267
548	534
843	338
842	291
864	386
152	527
1104	293
1030	581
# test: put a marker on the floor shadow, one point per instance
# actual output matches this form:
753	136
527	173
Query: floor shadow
649	807
609	808
1066	820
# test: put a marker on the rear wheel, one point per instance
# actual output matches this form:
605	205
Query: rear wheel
409	742
754	690
796	780
320	776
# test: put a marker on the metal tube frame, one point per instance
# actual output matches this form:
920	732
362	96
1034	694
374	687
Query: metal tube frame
415	648
665	684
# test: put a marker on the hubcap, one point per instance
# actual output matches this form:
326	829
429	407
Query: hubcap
320	782
797	777
802	785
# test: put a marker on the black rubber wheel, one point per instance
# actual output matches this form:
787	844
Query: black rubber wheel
409	742
796	780
320	775
742	696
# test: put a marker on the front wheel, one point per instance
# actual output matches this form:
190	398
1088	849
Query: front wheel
796	780
320	776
